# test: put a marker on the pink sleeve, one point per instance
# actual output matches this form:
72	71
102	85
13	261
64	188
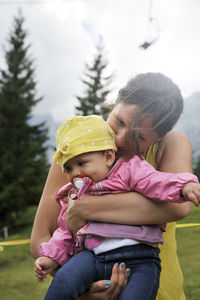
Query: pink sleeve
159	186
61	246
138	175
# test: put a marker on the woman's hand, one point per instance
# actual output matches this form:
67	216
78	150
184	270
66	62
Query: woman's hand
109	289
74	217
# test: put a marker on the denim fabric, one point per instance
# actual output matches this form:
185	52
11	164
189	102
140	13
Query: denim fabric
78	274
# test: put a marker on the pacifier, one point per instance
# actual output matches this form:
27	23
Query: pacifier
78	181
81	184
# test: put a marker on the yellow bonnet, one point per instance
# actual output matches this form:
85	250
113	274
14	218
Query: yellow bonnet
82	134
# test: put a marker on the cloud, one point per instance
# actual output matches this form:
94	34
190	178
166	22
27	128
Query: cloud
63	35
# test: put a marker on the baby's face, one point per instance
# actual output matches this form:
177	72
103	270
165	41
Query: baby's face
94	164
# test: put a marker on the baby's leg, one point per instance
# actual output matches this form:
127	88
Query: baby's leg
75	277
145	268
143	283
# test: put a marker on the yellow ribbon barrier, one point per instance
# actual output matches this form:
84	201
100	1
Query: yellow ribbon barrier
27	241
14	242
187	225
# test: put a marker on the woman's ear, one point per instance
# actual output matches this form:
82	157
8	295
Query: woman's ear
109	157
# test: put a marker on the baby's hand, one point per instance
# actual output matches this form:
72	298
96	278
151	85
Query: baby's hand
191	192
44	265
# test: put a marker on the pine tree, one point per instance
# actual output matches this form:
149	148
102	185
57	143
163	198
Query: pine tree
22	153
197	169
96	92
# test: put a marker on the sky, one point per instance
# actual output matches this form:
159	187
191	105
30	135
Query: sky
63	35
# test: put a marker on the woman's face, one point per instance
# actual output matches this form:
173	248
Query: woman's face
121	119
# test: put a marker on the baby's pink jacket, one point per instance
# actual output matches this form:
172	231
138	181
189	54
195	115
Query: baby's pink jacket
134	175
61	247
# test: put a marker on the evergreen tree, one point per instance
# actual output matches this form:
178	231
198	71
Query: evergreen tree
197	169
22	153
96	91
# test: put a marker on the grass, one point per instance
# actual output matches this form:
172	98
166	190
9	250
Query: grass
17	279
189	255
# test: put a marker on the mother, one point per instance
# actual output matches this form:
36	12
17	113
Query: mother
160	104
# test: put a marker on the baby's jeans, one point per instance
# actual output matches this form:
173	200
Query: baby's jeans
78	274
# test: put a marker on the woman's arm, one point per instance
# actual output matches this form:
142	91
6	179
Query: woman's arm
48	210
174	156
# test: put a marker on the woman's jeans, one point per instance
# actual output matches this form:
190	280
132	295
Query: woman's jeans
78	274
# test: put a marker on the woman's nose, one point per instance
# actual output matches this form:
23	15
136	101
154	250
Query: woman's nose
120	139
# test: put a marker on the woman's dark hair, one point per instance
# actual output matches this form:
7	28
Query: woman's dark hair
157	96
